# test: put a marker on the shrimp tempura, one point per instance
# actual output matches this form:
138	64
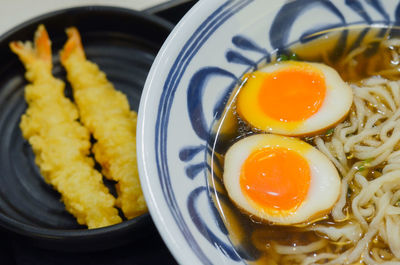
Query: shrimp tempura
106	113
60	143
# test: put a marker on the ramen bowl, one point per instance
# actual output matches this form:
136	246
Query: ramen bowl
190	85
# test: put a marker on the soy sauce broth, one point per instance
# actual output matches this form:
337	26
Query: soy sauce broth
254	239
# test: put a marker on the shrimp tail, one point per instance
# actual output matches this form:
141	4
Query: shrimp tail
72	46
40	51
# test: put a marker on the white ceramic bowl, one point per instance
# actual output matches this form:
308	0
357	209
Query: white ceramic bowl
187	89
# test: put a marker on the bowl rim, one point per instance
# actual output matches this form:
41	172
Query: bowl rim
54	234
200	9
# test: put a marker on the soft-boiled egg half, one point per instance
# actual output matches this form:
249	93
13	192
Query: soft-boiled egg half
294	98
281	180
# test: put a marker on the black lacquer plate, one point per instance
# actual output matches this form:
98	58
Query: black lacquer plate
124	44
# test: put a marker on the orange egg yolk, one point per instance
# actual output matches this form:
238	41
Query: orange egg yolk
276	178
292	94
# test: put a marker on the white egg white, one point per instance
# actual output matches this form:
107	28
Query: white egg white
336	105
324	188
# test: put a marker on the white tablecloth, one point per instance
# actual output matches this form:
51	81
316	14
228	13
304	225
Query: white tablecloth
14	12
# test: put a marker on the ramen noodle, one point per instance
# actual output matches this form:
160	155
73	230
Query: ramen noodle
363	224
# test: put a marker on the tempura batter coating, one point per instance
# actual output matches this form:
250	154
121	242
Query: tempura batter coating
60	143
106	113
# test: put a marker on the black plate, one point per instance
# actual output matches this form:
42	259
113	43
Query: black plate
124	44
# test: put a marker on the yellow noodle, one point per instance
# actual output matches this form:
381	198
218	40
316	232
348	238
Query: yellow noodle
366	150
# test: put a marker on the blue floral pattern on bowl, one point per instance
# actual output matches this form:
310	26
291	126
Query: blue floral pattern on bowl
197	92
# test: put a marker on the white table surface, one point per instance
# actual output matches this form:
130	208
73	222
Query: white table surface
14	12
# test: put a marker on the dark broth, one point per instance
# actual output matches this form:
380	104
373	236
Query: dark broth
251	237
